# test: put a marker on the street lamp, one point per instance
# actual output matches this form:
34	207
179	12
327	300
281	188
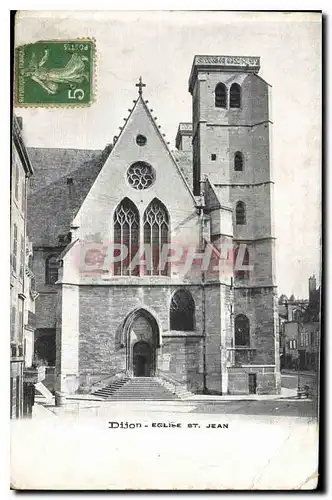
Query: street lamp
301	308
298	360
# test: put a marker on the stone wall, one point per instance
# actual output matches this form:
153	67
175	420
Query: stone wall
103	311
258	304
184	360
238	379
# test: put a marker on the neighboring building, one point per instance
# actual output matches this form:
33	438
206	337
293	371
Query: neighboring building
301	344
29	312
64	177
21	171
208	331
32	373
290	344
300	330
309	348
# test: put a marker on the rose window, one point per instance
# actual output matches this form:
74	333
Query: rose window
140	175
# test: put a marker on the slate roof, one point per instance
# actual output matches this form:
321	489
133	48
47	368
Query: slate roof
50	164
184	161
52	202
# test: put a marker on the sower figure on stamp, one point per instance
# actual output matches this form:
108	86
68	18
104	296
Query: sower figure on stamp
74	72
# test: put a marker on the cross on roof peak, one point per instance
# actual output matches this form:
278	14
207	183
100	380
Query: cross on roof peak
140	85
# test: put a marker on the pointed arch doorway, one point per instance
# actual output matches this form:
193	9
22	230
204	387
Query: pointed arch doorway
142	359
141	337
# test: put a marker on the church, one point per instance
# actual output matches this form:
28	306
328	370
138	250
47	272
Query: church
156	267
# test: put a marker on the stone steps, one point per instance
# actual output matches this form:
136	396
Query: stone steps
142	388
105	392
181	391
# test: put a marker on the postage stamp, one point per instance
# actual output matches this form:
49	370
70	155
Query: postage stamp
55	73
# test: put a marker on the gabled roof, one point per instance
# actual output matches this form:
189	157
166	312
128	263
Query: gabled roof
138	101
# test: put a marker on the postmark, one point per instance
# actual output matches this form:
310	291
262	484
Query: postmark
55	73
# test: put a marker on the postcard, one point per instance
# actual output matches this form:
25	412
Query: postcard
165	250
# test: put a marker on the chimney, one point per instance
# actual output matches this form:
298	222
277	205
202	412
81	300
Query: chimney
312	285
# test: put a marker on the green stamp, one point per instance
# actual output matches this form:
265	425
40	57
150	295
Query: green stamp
54	73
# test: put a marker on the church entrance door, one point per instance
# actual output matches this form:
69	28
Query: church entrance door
142	359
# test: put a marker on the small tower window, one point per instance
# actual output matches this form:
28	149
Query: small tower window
220	96
240	213
242	331
213	157
235	96
238	162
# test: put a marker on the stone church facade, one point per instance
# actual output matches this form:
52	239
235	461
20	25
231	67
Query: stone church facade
153	263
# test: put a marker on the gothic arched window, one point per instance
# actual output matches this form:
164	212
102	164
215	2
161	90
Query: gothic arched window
238	162
126	232
182	311
51	270
156	229
241	261
220	96
242	331
240	213
235	96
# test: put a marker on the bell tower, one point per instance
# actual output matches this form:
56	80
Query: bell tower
231	147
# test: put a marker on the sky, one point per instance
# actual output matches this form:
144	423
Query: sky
160	46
